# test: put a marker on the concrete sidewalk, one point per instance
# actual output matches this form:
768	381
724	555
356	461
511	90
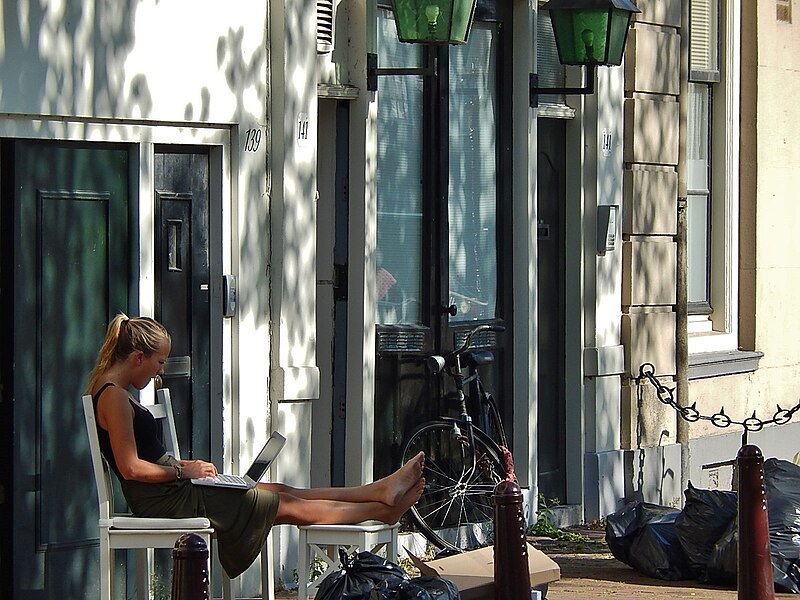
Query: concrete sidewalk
601	575
589	570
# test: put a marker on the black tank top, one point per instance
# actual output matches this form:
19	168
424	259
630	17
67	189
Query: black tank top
145	432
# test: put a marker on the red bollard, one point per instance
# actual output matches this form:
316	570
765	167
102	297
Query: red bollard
190	568
755	580
511	578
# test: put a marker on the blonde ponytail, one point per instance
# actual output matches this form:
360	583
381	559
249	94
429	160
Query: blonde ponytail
123	336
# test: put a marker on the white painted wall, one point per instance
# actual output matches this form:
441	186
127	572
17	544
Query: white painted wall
165	72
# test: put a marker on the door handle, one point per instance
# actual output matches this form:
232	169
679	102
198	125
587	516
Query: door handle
451	310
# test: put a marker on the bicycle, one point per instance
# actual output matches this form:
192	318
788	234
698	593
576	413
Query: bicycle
464	461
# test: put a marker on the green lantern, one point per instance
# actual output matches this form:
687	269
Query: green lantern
590	32
433	21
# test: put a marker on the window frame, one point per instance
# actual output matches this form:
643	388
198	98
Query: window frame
718	331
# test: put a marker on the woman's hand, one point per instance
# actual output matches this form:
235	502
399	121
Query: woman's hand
197	469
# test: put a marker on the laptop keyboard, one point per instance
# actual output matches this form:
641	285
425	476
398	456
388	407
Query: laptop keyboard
234	479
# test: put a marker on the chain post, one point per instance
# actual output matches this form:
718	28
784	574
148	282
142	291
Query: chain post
190	579
754	573
511	578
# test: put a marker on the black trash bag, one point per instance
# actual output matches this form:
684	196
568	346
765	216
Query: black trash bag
782	482
723	564
359	576
426	587
705	518
625	525
657	552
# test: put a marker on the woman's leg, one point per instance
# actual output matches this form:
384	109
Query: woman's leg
294	510
390	490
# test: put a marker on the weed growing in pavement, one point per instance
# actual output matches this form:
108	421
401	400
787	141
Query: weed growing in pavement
544	523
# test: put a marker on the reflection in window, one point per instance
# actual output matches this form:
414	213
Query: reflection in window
699	193
472	203
399	182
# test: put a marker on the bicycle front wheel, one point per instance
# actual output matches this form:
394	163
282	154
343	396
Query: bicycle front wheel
455	511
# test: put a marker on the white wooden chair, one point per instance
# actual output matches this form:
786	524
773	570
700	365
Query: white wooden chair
123	531
323	541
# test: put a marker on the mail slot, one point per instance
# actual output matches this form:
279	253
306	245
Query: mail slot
178	366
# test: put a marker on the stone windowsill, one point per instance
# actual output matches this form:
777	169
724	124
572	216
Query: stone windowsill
717	364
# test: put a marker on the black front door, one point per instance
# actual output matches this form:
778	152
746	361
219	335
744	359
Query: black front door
183	292
443	244
333	165
66	271
551	182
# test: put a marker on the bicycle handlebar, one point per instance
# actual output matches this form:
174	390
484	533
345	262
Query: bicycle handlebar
436	362
471	334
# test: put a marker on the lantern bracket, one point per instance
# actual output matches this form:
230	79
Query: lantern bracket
373	72
535	90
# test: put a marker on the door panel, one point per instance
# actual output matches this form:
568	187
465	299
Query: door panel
71	275
551	184
183	292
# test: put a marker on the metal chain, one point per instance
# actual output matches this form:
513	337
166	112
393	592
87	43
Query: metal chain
690	413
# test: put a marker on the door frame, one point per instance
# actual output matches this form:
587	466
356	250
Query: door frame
399	361
215	304
223	197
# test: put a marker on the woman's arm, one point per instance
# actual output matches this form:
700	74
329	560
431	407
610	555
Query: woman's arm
115	415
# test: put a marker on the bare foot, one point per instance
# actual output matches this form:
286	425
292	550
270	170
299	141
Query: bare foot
393	488
406	501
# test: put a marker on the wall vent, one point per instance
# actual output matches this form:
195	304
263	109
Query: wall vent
324	26
784	10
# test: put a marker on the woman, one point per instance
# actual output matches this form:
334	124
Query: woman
157	485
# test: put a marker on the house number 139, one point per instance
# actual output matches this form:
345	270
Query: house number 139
252	140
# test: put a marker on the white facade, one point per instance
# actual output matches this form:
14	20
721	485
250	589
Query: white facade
247	83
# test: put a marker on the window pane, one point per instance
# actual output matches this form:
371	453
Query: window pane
472	207
697	248
698	166
399	182
698	142
548	67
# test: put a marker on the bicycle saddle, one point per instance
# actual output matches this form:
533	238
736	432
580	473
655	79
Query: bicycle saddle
477	358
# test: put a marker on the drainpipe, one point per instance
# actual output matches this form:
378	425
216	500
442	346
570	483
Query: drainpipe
682	309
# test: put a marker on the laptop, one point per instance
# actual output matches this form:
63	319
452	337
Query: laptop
263	461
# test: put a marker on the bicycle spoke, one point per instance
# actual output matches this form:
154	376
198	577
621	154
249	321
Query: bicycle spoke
455	510
445	505
435	469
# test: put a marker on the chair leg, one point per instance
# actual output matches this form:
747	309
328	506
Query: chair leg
302	565
227	587
144	559
267	570
106	568
393	547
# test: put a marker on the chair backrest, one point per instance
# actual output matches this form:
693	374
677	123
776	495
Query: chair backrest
102	476
162	411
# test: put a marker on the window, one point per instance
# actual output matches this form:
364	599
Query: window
472	188
712	175
698	167
399	181
549	69
438	253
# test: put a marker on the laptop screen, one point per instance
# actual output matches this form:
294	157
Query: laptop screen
267	456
